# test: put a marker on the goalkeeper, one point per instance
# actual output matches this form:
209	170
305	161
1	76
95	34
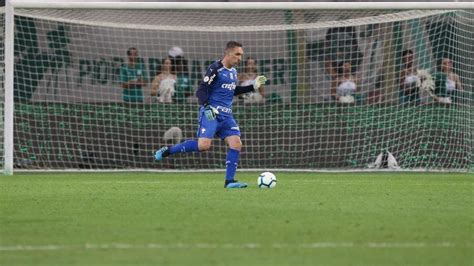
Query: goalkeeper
215	95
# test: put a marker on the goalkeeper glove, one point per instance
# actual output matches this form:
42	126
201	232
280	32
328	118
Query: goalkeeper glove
259	81
210	112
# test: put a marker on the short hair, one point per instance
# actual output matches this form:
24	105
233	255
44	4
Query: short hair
250	58
406	52
180	64
446	58
129	51
232	44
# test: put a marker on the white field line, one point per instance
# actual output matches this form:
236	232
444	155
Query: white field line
120	182
315	245
305	181
389	182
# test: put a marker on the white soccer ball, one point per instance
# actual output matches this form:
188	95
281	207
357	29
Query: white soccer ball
266	180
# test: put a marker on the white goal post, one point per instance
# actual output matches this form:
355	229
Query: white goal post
309	122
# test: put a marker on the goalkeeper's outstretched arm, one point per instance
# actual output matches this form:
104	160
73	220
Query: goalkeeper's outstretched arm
257	83
243	89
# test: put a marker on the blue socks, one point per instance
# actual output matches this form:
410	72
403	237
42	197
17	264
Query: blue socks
231	164
187	146
192	145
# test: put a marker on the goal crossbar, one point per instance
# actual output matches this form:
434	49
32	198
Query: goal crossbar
239	5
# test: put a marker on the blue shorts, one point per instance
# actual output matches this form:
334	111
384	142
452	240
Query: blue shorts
223	126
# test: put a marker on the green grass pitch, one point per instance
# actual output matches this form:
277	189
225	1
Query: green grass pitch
190	219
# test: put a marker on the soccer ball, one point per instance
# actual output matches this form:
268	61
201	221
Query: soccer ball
266	180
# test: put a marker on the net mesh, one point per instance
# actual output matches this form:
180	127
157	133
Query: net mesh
343	87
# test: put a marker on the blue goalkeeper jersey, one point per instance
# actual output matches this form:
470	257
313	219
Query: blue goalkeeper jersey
221	83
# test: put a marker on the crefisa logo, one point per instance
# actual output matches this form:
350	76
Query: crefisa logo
229	86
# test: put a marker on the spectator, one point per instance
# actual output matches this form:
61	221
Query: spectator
133	77
163	85
247	78
341	45
453	82
184	86
409	91
346	83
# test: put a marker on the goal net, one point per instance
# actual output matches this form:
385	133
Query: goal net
343	86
